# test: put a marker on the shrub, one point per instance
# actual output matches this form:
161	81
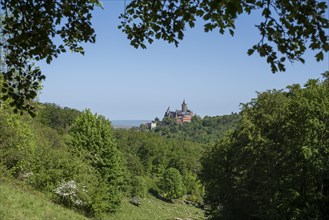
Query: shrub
17	144
67	194
138	187
171	184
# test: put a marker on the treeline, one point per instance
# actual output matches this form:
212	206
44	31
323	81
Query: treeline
202	130
56	117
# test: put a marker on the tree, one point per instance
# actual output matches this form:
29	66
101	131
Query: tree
194	189
171	184
286	25
57	117
91	136
30	27
275	164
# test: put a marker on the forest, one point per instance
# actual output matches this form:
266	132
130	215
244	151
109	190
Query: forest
269	161
201	130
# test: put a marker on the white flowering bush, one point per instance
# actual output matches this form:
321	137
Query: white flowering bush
68	194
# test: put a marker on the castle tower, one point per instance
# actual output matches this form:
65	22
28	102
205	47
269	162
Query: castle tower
167	113
184	106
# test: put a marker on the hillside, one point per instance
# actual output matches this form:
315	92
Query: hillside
155	209
272	164
202	130
57	154
17	204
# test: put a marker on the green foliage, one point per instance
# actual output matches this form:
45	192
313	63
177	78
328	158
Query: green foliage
171	184
274	165
82	169
134	164
17	203
55	166
202	130
56	117
70	21
38	156
138	187
17	145
157	153
194	188
287	29
149	155
1	85
152	185
52	166
91	136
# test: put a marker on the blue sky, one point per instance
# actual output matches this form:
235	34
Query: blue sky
212	72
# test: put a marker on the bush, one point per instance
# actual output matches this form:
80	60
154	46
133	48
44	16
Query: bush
138	187
152	185
17	144
67	194
194	189
171	184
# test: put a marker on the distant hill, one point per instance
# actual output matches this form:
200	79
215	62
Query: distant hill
61	118
128	123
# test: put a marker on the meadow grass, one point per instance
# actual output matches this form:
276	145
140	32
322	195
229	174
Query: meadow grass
19	204
155	209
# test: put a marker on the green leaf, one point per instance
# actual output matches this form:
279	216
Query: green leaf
231	32
250	52
319	56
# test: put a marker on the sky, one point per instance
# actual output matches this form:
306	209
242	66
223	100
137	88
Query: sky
212	72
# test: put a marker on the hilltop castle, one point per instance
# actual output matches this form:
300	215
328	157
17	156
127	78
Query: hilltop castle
184	115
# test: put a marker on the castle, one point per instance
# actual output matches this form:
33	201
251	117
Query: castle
184	115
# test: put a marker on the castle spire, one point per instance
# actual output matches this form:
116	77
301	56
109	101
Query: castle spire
167	112
184	106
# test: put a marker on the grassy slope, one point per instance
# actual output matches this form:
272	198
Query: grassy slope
19	204
16	204
152	209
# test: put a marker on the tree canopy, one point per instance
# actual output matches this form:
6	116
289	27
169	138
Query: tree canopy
28	31
287	28
172	184
91	136
201	130
274	165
